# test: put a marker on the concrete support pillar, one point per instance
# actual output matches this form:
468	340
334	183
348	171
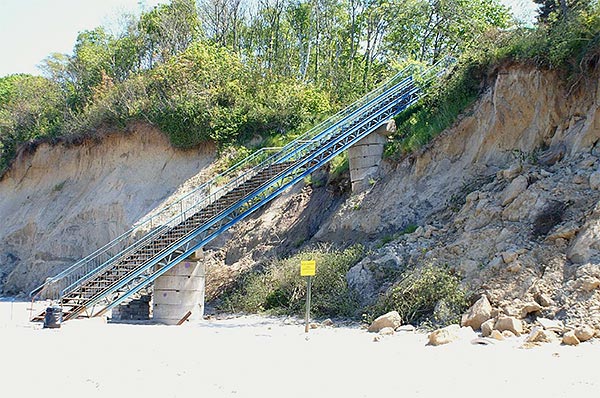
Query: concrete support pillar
179	290
365	156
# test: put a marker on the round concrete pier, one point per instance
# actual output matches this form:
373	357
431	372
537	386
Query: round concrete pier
179	290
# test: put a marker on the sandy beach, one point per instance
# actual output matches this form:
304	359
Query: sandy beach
253	356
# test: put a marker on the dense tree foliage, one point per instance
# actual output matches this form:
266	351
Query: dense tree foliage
234	70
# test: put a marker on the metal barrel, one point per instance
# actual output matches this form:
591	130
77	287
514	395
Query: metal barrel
53	317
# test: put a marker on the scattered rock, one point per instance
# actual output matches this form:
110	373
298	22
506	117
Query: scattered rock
552	325
567	232
512	171
589	283
327	323
552	155
539	335
487	327
509	256
543	300
390	320
570	339
509	323
595	180
386	331
496	335
529	308
514	189
405	328
514	267
584	333
444	336
480	312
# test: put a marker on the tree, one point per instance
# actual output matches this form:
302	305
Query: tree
551	10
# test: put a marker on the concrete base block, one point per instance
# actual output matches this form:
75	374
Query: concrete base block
179	290
365	156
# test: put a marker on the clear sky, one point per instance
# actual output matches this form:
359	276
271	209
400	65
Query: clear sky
32	29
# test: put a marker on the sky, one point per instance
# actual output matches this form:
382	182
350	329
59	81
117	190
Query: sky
30	30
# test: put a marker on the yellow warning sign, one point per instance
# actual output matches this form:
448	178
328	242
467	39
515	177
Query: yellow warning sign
308	267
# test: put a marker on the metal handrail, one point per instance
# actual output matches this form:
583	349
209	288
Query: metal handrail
210	191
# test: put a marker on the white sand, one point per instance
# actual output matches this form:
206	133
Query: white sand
261	357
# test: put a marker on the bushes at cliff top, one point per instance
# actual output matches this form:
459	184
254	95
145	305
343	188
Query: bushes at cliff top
204	94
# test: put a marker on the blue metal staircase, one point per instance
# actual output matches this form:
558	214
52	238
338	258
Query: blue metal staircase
135	259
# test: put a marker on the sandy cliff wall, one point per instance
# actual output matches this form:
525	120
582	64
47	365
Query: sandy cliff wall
524	111
61	203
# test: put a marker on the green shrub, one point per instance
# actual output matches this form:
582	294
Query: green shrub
279	288
430	294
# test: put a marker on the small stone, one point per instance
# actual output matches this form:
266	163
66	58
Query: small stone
313	325
529	308
539	335
584	333
543	300
496	335
514	267
480	312
487	327
570	339
552	155
444	336
495	262
327	323
595	180
405	328
512	171
508	334
386	331
579	179
391	319
376	338
509	323
509	256
514	189
589	283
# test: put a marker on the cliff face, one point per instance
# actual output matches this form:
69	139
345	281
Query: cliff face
524	112
508	197
61	203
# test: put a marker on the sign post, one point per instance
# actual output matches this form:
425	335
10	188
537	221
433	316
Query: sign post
307	269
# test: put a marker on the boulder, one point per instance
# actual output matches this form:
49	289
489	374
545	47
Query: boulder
508	334
529	308
512	172
327	323
552	155
586	244
496	335
444	336
584	333
595	180
589	283
570	339
509	256
509	323
514	189
539	335
390	320
487	327
552	325
480	312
